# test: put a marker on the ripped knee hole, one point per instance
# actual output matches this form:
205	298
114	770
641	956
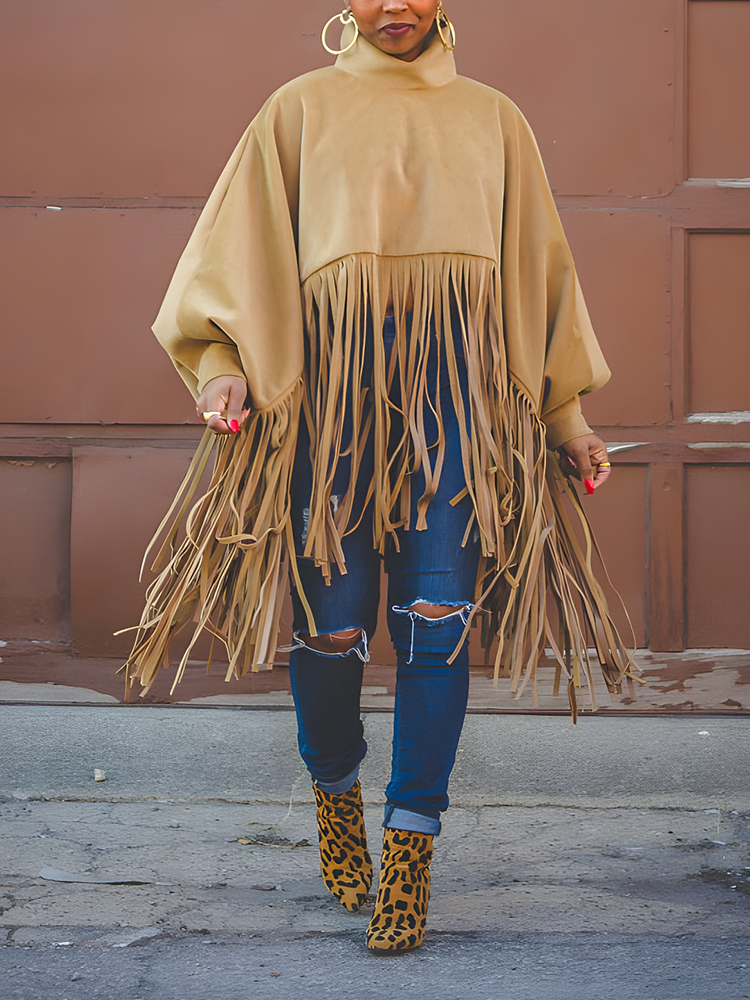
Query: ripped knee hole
434	611
333	642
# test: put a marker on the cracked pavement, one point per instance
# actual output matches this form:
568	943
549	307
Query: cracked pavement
607	860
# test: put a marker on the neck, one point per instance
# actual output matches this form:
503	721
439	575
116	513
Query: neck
433	66
417	51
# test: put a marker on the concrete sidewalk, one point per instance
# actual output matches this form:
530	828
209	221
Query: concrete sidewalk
605	860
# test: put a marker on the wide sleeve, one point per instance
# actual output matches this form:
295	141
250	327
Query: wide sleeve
233	306
552	349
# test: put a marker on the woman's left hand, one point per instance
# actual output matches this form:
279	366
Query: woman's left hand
588	455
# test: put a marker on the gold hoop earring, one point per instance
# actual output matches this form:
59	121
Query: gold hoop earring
346	17
443	21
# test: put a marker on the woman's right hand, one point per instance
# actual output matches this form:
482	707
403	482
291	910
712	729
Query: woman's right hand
224	394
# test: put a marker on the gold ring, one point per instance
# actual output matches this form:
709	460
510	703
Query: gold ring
211	413
605	465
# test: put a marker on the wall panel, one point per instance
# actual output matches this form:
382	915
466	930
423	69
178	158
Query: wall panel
34	549
136	98
718	556
596	80
623	259
119	497
719	321
80	289
719	88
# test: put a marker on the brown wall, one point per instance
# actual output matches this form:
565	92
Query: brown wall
122	115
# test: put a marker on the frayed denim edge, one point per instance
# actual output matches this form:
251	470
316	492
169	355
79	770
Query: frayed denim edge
361	649
465	607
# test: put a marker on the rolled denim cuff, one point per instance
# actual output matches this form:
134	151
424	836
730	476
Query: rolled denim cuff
339	787
403	819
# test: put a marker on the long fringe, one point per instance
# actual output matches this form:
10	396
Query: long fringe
531	553
227	575
549	564
340	302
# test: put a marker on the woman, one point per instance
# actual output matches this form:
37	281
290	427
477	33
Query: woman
400	407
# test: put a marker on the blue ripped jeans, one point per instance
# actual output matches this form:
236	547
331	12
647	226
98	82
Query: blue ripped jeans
430	566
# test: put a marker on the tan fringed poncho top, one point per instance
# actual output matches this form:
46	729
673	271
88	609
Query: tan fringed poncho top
372	185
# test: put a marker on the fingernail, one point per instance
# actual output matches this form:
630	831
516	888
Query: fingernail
235	426
589	484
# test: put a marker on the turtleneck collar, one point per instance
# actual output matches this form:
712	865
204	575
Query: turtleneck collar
435	67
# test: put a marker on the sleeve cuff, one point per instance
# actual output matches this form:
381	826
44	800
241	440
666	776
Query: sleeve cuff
564	423
218	359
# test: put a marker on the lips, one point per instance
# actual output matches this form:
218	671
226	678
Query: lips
397	29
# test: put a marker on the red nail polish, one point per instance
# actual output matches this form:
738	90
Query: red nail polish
235	426
589	484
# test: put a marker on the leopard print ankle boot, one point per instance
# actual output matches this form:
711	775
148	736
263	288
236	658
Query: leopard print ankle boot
345	862
404	892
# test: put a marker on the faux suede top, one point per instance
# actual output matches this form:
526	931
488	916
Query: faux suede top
365	188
